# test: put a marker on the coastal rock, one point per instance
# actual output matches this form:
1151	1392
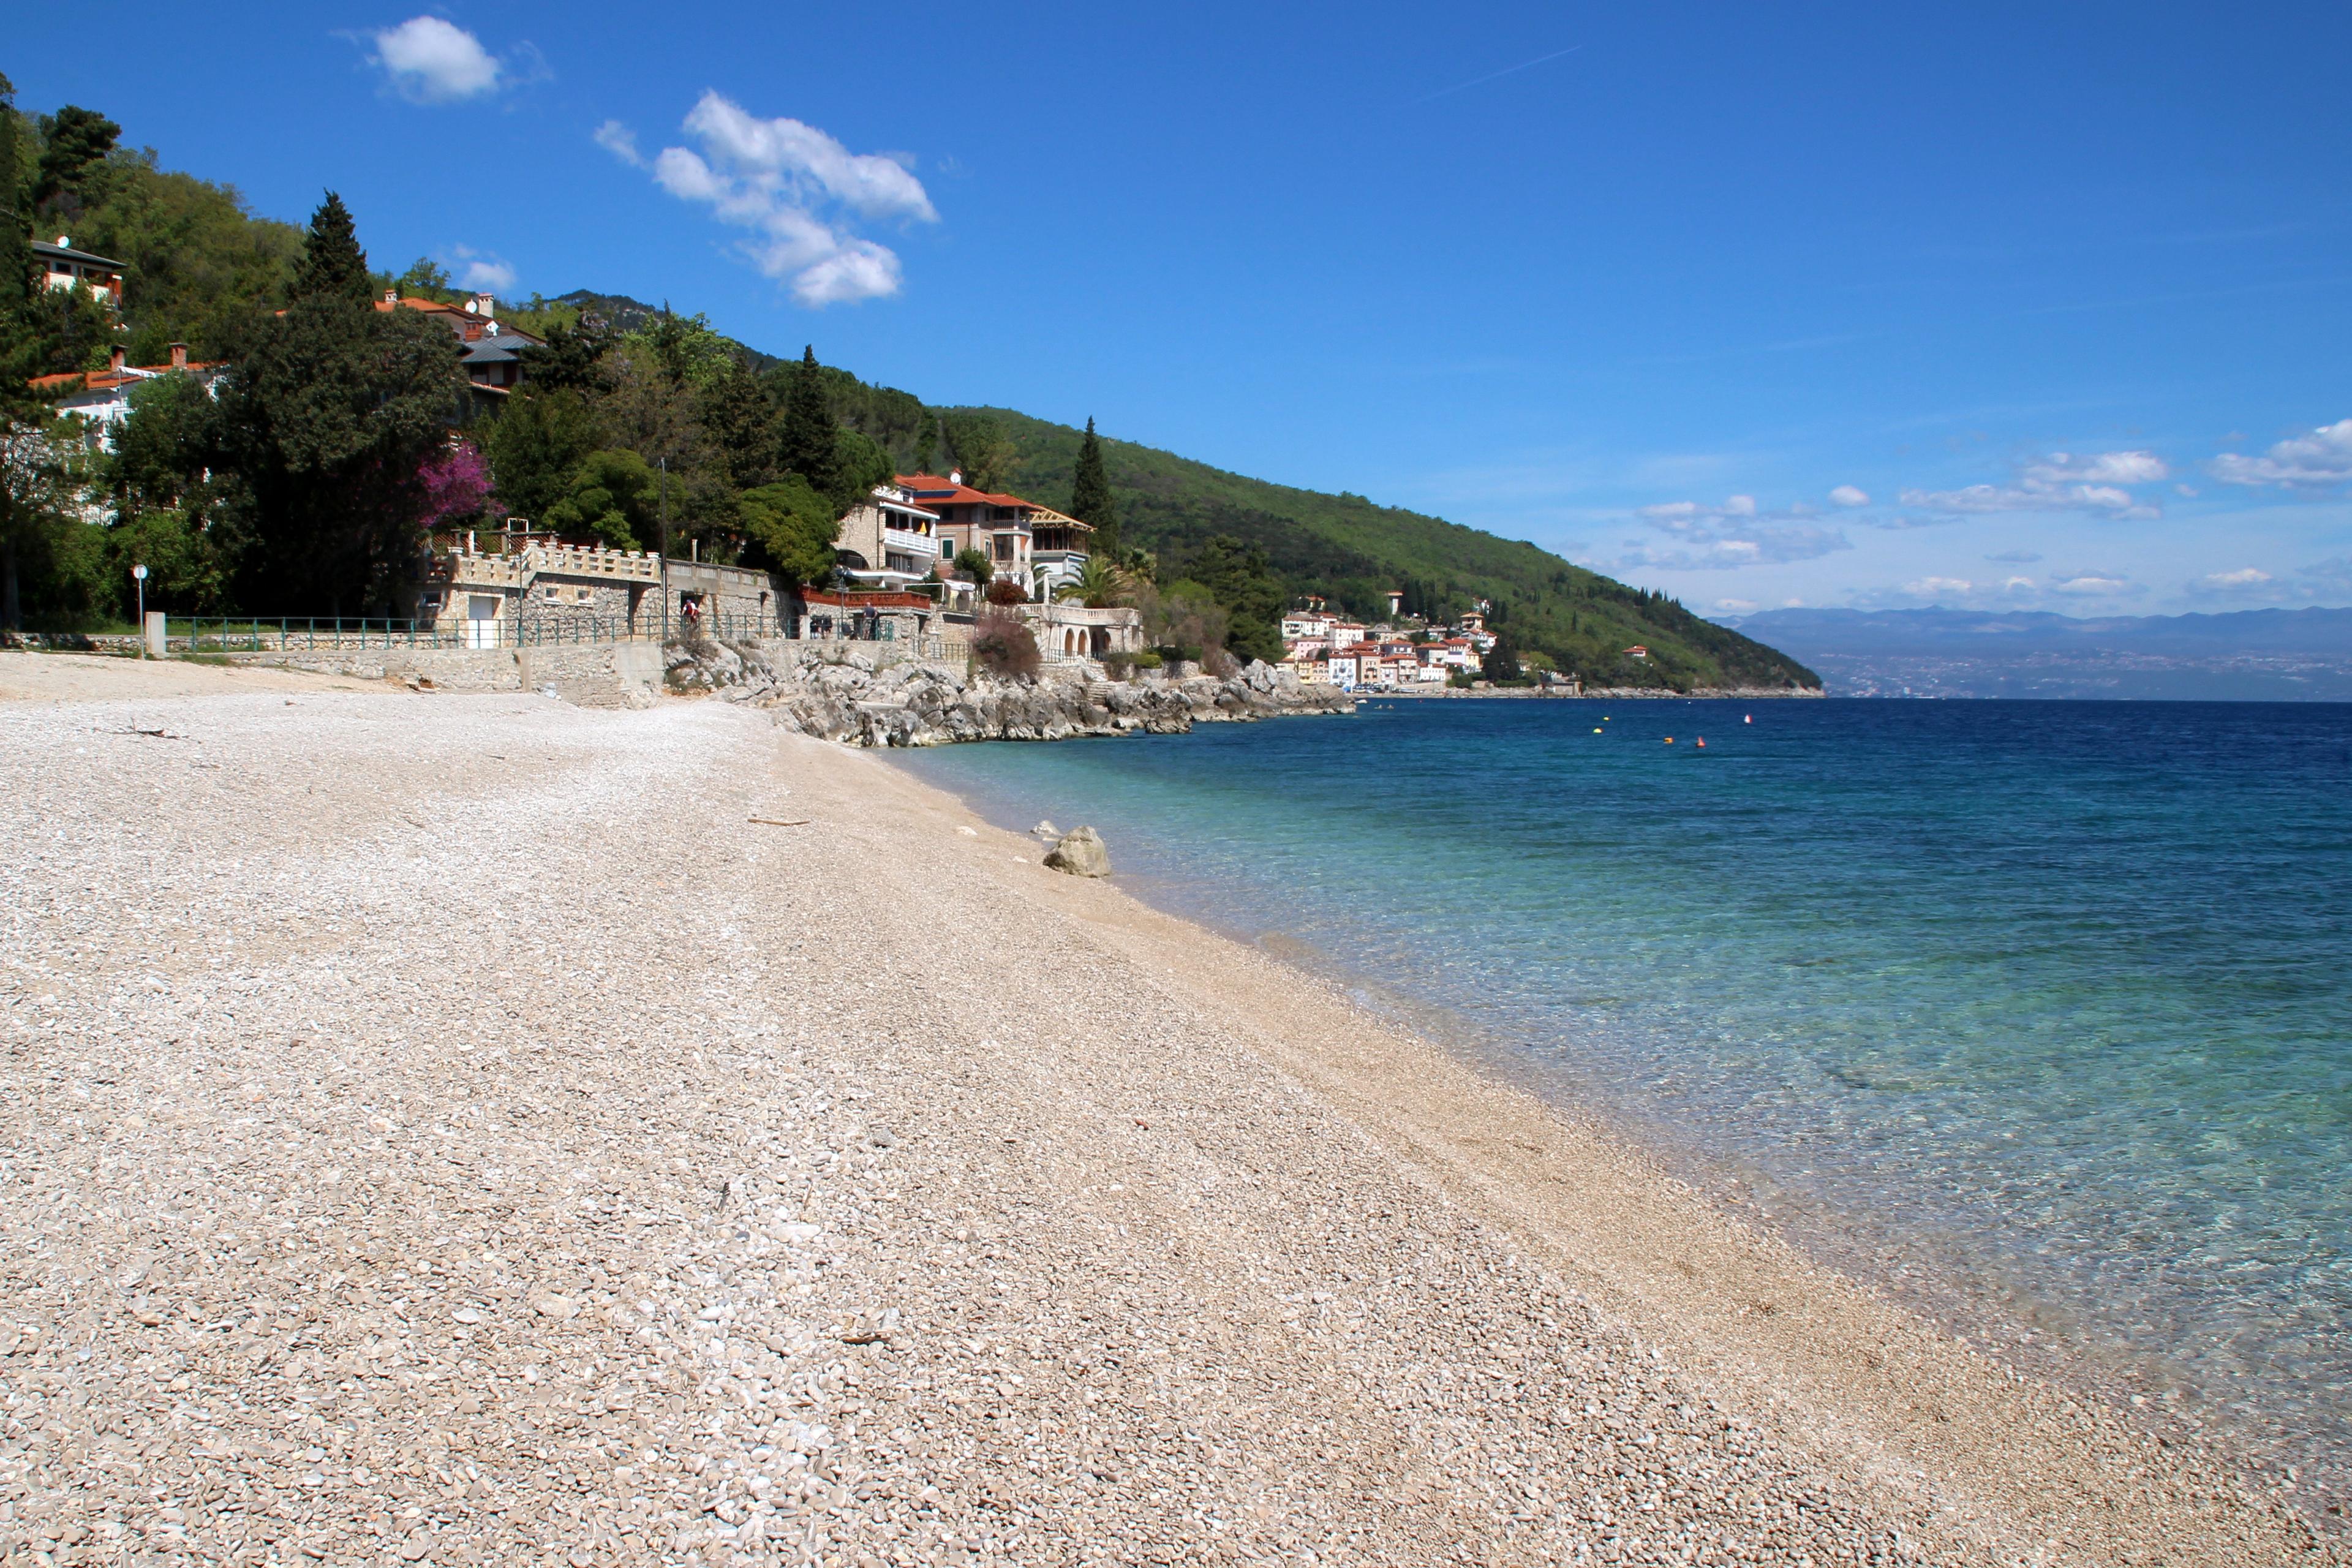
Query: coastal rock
862	699
1081	853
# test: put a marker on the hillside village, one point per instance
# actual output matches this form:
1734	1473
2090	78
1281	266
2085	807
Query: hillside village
1405	653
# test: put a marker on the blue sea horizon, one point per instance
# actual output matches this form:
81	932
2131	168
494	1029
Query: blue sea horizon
2037	1014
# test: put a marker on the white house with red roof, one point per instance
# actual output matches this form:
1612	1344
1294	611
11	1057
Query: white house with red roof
1037	547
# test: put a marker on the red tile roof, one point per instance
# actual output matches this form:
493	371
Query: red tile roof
939	490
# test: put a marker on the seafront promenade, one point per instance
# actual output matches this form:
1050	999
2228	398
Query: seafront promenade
472	1129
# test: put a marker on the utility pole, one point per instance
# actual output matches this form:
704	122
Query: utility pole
664	493
138	575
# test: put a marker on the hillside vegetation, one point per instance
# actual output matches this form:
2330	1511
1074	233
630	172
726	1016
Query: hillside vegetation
634	420
1353	552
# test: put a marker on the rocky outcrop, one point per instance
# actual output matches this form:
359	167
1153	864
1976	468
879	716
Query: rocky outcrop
850	695
1081	853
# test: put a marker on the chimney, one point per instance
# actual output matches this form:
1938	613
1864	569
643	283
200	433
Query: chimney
114	359
484	304
392	296
179	356
955	476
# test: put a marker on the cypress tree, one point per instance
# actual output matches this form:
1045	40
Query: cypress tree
1091	498
333	265
810	448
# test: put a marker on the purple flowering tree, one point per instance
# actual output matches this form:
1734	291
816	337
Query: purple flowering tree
455	483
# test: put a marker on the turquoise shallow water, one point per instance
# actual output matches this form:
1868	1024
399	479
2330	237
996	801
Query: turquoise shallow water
2039	1015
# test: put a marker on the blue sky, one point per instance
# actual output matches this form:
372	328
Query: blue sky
2042	306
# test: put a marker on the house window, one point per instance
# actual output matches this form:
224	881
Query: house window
1004	547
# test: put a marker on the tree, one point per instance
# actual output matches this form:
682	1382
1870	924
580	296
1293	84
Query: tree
807	445
1501	664
975	564
1238	577
16	254
571	360
1002	645
456	486
424	277
324	424
1182	620
34	496
982	451
612	495
1100	585
793	528
74	145
333	265
860	463
733	409
1091	498
536	444
1005	591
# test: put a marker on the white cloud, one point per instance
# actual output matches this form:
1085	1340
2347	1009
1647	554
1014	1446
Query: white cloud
621	141
433	61
779	178
2062	481
487	273
2321	458
1939	587
1735	533
2017	584
2100	469
1848	495
2092	584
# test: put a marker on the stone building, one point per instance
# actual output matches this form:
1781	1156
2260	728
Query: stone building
530	591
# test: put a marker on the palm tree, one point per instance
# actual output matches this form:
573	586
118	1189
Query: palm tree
1100	585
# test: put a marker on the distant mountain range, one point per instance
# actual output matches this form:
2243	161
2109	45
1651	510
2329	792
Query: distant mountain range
2274	656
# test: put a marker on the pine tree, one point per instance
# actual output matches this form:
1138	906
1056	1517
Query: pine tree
75	142
1091	498
333	265
810	448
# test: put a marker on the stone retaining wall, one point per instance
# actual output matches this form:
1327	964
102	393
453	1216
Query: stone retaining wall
591	675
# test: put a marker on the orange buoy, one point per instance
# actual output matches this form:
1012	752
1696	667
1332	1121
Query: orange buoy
1670	740
1702	743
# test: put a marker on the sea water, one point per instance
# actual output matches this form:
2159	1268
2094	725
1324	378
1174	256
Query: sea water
2038	1014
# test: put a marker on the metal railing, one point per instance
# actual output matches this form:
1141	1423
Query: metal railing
295	634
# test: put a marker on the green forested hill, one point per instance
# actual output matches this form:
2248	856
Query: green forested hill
1352	550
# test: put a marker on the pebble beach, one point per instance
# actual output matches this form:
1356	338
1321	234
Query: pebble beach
475	1130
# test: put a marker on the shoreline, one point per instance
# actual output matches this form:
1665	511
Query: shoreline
1605	693
1981	1300
1047	1226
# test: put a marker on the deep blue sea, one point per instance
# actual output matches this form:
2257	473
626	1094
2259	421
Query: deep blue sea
2038	1014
